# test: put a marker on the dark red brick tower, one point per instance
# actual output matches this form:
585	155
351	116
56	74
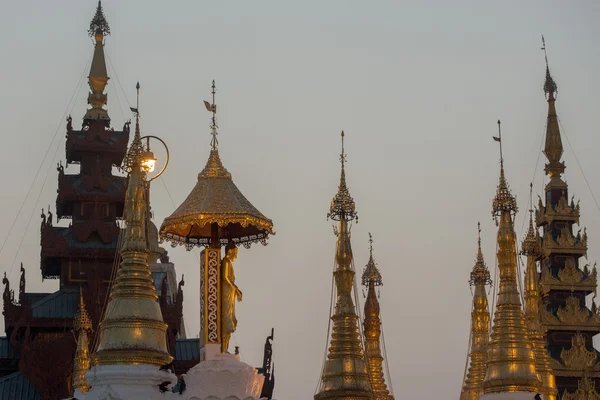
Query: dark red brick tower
82	254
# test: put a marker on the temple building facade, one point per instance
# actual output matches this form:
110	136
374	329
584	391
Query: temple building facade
546	349
564	281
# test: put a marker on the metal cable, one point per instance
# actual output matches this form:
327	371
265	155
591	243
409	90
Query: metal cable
69	108
495	285
385	358
328	326
468	353
578	164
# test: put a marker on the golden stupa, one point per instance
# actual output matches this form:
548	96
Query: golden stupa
511	360
480	320
344	375
133	330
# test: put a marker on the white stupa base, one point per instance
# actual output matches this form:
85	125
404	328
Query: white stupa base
222	376
509	396
124	382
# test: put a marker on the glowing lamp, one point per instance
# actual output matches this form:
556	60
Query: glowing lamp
148	161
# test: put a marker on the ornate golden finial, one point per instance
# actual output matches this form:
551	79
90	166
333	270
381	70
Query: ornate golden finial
133	330
82	325
342	205
586	390
99	24
214	143
136	149
345	372
480	274
372	329
550	87
371	274
504	200
511	364
480	321
98	77
531	245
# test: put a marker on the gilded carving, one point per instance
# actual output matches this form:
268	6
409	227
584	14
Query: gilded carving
570	273
572	313
578	356
212	295
586	391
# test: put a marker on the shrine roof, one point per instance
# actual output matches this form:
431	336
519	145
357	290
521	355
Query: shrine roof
115	136
35	297
187	349
62	304
16	386
7	352
92	243
117	184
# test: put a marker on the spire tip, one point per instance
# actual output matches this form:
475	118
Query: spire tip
550	87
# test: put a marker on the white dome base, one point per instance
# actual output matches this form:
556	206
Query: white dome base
124	382
220	377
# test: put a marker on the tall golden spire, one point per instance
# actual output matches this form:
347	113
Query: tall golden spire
371	278
344	373
133	330
511	360
531	248
553	147
480	321
82	325
98	77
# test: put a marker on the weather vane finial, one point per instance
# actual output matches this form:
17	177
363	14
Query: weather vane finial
499	140
550	87
343	155
530	199
214	143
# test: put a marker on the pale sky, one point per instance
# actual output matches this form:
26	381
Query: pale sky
416	86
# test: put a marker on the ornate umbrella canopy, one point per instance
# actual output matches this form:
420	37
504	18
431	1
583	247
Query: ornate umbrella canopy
215	209
216	200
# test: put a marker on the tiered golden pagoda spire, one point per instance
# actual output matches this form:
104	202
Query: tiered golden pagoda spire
133	330
98	77
344	373
511	360
371	278
553	148
561	270
531	248
480	322
82	325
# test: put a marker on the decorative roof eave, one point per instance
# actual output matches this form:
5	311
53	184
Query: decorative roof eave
215	199
562	371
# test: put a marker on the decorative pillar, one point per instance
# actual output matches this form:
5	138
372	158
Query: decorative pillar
210	303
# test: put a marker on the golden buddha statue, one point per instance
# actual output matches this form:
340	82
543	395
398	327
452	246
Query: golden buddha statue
229	293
